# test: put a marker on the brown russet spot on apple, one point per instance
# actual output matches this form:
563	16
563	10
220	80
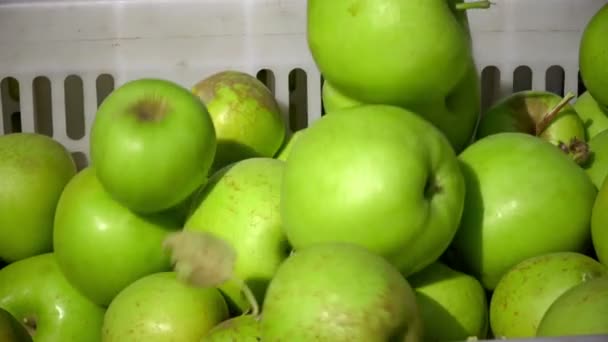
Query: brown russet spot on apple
150	109
529	110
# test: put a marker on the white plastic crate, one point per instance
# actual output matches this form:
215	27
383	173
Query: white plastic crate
67	55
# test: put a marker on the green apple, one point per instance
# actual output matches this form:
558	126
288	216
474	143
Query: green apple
597	165
339	292
244	328
36	293
526	291
580	311
12	330
592	56
594	117
334	99
387	51
344	181
453	305
101	246
542	114
240	205
286	149
34	169
159	307
518	205
599	224
152	144
246	116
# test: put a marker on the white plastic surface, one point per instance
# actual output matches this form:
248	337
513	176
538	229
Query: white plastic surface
187	40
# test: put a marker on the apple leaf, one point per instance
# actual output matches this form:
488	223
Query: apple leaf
201	258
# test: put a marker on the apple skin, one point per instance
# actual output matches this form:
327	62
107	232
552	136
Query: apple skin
453	305
517	201
36	288
594	117
582	310
521	111
599	224
337	189
285	151
593	52
246	116
597	166
102	246
11	330
527	290
334	99
159	307
162	138
388	53
339	292
34	170
241	205
244	328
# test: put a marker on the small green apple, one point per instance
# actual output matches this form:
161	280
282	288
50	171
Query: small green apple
37	294
240	205
542	114
593	52
334	99
526	291
517	204
339	292
453	305
286	149
161	308
34	169
580	311
599	224
246	116
152	144
244	328
594	117
597	165
12	330
336	188
102	246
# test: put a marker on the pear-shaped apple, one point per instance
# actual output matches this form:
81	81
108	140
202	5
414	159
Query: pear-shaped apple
102	246
542	114
159	307
377	176
36	293
34	170
518	204
580	311
339	292
594	116
592	56
152	144
244	328
241	205
597	165
246	116
12	330
599	224
526	291
453	305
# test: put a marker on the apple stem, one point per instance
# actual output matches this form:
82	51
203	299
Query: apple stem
481	4
253	303
550	116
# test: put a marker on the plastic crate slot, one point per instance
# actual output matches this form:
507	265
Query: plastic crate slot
74	107
10	106
555	77
581	86
267	77
80	159
104	85
43	105
298	99
522	78
490	87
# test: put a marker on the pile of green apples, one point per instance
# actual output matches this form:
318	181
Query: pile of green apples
402	214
